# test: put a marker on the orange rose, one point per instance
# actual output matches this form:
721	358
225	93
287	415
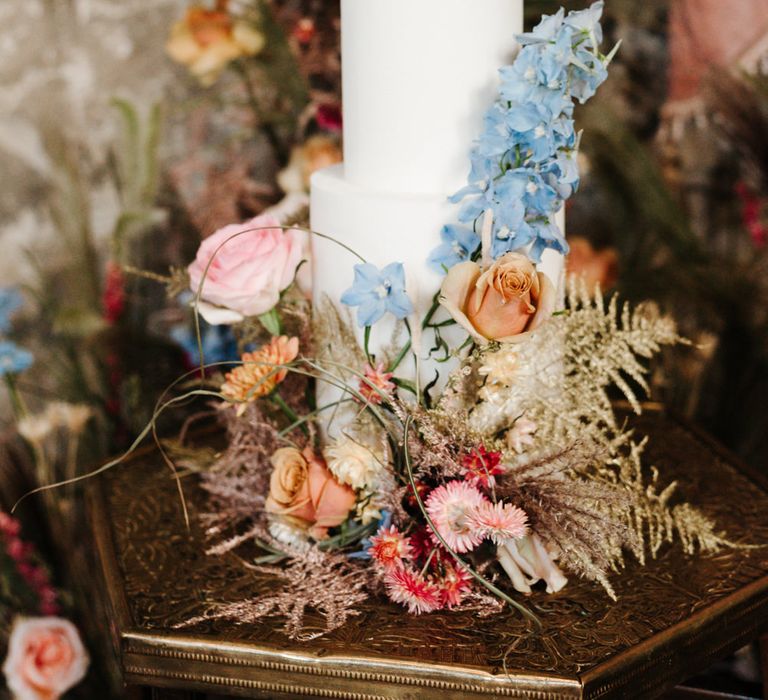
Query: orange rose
303	490
507	300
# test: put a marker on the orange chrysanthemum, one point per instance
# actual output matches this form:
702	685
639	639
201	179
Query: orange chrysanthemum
261	371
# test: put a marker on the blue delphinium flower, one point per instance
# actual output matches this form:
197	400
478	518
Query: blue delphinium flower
544	31
13	359
587	23
459	242
376	292
10	301
524	165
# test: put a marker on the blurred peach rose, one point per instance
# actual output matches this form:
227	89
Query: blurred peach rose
593	266
45	658
207	40
315	153
507	300
302	489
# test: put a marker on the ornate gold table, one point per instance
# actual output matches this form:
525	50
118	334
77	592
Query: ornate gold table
674	617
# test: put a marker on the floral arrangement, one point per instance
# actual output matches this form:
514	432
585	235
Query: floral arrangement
509	467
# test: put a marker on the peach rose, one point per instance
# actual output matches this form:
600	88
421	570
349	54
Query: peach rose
248	271
302	489
508	299
45	658
207	40
316	152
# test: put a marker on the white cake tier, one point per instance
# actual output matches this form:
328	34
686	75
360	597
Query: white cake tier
417	77
382	228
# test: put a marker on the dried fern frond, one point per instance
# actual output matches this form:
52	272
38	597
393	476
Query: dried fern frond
335	339
330	585
568	365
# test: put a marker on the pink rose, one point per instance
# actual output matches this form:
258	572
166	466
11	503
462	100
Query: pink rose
248	271
45	658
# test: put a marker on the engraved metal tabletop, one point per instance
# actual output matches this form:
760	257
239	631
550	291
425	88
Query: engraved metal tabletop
674	616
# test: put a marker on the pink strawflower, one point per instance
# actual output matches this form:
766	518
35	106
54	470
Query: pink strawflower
389	547
480	467
380	379
499	521
453	585
449	506
411	589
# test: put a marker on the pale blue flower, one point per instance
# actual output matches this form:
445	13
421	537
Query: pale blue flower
588	23
14	359
589	74
506	240
459	242
524	166
544	31
376	292
547	235
10	301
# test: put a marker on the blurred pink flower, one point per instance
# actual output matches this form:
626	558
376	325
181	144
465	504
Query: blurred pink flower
45	658
329	118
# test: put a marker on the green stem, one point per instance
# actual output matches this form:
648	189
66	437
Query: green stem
424	324
17	402
366	344
288	411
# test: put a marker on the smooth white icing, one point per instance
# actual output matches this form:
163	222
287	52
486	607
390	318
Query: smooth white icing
417	77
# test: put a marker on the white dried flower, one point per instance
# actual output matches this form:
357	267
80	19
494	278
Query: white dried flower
288	534
370	507
521	434
35	428
500	367
72	416
353	463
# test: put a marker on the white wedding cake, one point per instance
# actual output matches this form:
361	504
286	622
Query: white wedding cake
417	76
